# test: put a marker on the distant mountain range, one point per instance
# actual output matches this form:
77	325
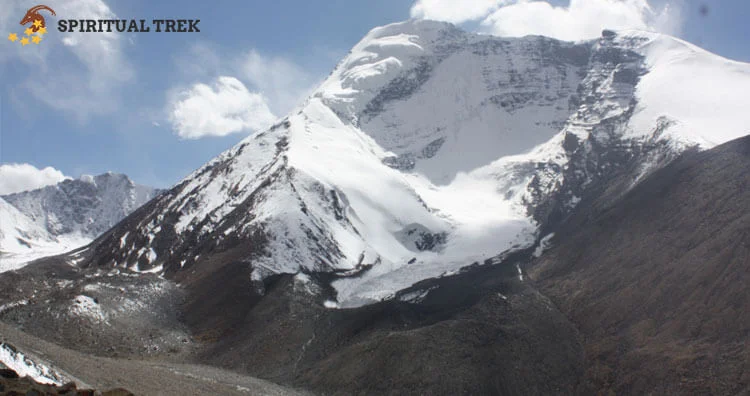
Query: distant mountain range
61	217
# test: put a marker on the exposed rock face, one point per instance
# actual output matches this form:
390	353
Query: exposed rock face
11	385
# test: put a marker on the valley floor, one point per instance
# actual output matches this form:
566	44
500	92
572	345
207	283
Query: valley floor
142	377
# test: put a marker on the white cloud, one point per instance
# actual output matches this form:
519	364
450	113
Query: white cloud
23	177
224	108
260	87
582	19
82	73
285	83
579	20
281	81
454	11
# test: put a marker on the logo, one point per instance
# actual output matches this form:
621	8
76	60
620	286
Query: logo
37	26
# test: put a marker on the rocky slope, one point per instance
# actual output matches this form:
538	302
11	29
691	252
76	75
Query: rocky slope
655	282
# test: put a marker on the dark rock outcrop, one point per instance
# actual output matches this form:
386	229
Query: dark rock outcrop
13	385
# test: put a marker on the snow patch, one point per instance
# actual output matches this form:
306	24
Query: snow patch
416	296
26	367
12	305
520	272
544	244
85	306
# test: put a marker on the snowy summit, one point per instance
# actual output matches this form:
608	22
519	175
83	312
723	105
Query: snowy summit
429	149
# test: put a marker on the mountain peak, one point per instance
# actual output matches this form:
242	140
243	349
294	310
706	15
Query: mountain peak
429	149
87	179
60	217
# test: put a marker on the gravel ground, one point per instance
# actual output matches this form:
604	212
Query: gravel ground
141	377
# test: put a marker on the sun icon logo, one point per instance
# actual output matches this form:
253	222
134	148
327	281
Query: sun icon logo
37	29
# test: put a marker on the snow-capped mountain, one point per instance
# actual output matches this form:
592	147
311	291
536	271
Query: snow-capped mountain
65	216
429	149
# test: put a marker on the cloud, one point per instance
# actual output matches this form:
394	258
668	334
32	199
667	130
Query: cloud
582	19
23	177
224	108
579	20
82	73
285	83
452	11
264	85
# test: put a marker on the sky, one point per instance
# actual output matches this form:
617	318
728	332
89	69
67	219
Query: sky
156	106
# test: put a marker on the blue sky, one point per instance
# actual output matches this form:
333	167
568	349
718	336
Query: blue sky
87	103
